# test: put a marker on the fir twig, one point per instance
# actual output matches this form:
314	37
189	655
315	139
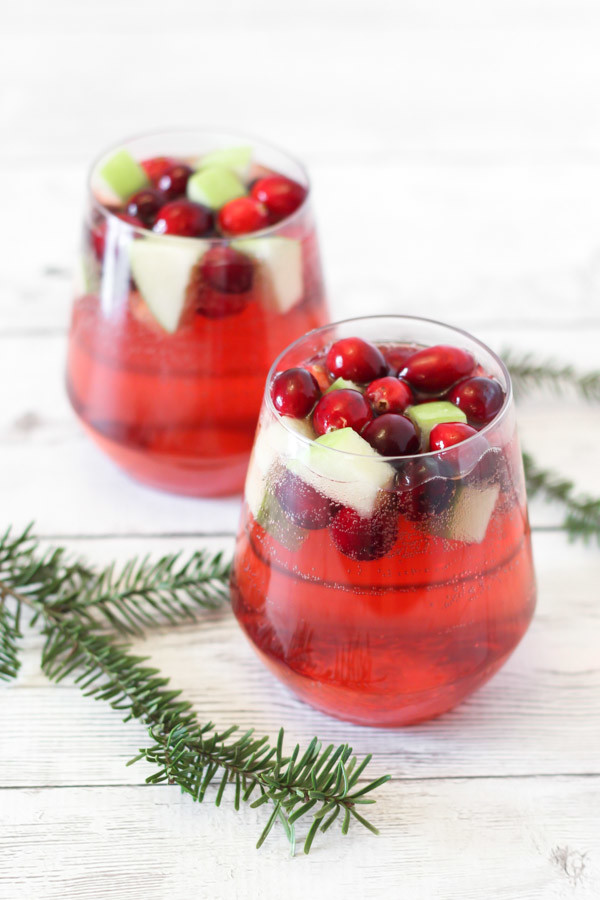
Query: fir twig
320	783
528	373
583	512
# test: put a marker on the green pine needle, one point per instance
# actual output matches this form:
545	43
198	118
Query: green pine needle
582	520
68	601
527	373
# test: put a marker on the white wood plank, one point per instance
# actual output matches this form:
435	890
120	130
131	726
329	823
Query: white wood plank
423	90
540	715
535	839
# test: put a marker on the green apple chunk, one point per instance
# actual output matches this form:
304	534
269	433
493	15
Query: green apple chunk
426	416
281	265
342	384
272	518
123	174
353	477
235	158
469	515
214	186
161	269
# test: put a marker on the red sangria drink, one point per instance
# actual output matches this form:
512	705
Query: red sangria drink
200	264
383	564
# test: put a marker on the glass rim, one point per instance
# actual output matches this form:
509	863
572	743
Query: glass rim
470	441
215	239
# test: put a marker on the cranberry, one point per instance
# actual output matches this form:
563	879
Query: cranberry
173	181
280	195
302	504
184	218
131	220
389	395
392	435
242	216
425	489
294	393
479	398
145	204
321	374
341	409
366	538
208	302
396	355
356	360
447	434
156	167
227	270
437	368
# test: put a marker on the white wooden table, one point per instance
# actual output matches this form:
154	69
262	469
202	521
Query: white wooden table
455	153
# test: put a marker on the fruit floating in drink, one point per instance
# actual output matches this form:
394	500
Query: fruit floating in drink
383	565
200	264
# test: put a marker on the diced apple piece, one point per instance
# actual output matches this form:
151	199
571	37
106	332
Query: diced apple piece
235	158
161	269
342	384
214	186
426	416
469	514
353	477
123	174
281	266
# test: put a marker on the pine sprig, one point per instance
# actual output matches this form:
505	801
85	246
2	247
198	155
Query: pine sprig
145	594
527	373
63	596
583	513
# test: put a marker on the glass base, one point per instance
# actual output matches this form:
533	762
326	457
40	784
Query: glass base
192	477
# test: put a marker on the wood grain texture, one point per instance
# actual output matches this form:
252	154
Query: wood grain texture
453	839
455	157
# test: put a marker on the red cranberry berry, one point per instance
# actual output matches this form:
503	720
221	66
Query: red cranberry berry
242	216
397	355
156	167
184	218
302	504
365	538
435	369
173	181
208	302
131	220
425	489
341	409
389	395
227	270
356	360
280	195
447	434
392	435
145	204
479	398
294	393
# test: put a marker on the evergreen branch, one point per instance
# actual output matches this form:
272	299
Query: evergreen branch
10	632
582	519
528	373
146	595
141	595
62	595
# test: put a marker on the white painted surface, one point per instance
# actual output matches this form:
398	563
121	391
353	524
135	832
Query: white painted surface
455	155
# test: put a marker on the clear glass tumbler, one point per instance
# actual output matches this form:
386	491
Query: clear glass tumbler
165	370
416	585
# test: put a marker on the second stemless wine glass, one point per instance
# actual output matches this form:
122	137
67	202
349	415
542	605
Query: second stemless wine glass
384	590
165	370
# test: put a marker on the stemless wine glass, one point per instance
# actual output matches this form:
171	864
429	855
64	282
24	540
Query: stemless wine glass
416	585
166	368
